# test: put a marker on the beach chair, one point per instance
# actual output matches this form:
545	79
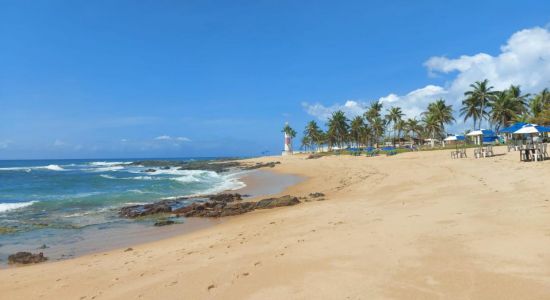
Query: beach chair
463	153
489	151
539	152
477	153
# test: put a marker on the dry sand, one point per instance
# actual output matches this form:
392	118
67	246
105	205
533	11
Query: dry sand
411	226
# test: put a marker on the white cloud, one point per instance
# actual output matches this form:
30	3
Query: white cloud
351	108
182	139
169	138
59	143
163	137
524	60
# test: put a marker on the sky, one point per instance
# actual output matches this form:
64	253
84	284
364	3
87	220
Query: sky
125	79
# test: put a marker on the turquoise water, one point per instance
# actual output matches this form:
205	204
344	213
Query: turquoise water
44	195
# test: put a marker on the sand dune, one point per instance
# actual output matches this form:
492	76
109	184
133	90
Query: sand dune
410	226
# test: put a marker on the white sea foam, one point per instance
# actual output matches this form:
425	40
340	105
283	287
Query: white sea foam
52	168
29	169
11	206
108	163
107	169
107	176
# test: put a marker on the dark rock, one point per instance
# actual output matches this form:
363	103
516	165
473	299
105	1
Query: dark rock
225	197
165	168
44	246
277	202
262	165
135	211
164	222
316	195
213	210
26	258
149	171
129	249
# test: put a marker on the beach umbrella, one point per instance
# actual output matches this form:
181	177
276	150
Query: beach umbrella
532	128
513	128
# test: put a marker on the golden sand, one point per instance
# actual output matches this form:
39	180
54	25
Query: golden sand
411	226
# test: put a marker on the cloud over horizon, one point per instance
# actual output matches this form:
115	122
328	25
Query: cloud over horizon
524	60
169	138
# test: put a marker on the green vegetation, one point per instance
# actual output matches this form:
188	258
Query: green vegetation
482	103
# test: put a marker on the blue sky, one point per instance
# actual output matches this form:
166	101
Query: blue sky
98	79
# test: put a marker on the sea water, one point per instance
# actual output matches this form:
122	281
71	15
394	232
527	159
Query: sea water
55	200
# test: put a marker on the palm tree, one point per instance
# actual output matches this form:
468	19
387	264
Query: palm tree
540	102
470	109
400	126
503	109
414	128
357	130
442	113
314	134
338	129
289	131
477	99
394	115
374	111
305	143
377	126
519	100
432	126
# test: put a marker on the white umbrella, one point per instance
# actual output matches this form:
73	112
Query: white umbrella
451	138
474	133
531	128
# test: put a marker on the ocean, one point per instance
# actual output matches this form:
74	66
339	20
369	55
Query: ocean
50	200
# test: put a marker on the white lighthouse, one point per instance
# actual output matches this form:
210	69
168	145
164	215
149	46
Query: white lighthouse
288	143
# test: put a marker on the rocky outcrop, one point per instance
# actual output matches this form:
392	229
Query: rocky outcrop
174	205
316	195
277	202
262	165
149	171
213	209
213	206
136	211
25	258
164	223
225	197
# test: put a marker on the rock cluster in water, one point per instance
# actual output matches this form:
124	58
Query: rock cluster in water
26	258
220	205
216	166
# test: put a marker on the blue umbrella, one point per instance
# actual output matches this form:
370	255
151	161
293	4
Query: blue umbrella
513	128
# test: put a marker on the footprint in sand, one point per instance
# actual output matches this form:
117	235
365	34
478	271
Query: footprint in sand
212	286
257	263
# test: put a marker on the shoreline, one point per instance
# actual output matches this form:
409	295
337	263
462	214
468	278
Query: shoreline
413	225
130	233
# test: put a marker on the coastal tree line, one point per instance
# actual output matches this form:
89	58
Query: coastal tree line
482	103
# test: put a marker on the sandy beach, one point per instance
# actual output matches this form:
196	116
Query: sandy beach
417	225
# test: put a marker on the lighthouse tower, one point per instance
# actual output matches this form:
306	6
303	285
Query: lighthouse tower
288	144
